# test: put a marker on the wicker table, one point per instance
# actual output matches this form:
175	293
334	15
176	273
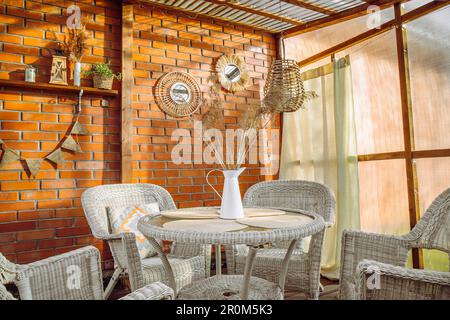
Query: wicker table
230	286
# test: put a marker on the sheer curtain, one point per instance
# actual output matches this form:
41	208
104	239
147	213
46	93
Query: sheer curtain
319	144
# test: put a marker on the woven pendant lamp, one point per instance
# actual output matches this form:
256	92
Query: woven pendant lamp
284	90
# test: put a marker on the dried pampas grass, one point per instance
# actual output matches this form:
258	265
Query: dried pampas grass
254	117
75	43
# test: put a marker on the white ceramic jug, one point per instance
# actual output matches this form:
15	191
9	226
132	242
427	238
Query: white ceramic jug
231	207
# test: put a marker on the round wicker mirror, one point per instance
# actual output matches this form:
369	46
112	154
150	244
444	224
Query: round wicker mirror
232	72
178	94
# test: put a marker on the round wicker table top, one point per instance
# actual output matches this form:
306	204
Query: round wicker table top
153	226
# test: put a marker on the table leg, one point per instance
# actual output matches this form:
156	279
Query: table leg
285	264
248	271
218	259
166	264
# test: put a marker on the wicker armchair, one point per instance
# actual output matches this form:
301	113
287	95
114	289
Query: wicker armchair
189	263
75	275
373	265
304	267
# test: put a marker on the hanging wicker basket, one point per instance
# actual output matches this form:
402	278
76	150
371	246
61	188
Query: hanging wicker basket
284	88
102	82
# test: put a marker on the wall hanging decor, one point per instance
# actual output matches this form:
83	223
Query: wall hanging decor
59	70
68	142
178	94
232	72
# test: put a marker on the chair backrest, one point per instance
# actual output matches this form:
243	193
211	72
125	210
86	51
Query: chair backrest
75	275
95	201
293	194
433	229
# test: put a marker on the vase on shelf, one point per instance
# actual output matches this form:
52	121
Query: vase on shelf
77	74
231	206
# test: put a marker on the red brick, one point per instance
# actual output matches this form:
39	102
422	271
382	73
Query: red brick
35	234
54	223
17	226
18	247
77	231
48	204
22	185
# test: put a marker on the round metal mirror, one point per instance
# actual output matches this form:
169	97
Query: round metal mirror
232	72
180	93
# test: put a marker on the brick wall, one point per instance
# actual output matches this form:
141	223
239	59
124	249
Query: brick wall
43	216
165	42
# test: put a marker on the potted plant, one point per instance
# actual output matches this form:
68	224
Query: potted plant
103	76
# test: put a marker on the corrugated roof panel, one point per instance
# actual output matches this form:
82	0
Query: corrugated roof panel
275	7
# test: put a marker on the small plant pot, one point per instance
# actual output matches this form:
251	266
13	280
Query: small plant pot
101	82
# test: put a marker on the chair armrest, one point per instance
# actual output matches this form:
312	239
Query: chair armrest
75	275
376	280
154	291
357	245
183	250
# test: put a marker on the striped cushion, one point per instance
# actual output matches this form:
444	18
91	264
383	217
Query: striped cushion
125	219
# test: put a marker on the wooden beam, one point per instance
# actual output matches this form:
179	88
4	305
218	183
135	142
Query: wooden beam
238	6
311	7
424	10
127	93
338	17
381	156
408	136
410	16
420	154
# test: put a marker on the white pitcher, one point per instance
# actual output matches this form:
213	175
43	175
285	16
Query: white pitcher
231	207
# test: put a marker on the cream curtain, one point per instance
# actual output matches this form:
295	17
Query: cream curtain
319	144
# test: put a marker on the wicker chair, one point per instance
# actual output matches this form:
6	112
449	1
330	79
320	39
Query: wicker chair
189	263
373	265
75	275
304	267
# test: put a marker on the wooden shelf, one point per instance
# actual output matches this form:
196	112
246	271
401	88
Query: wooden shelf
57	88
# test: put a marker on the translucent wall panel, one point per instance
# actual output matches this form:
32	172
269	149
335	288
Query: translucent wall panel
305	45
414	4
375	80
429	57
433	176
383	197
376	94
